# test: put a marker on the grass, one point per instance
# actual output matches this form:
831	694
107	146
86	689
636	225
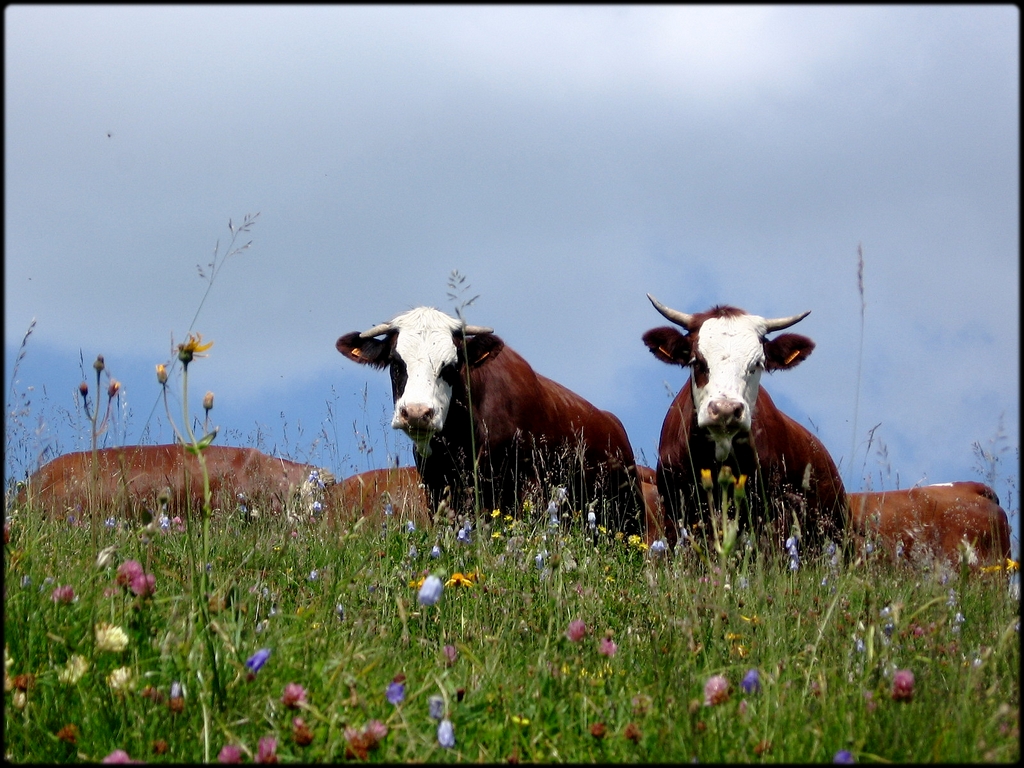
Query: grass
826	640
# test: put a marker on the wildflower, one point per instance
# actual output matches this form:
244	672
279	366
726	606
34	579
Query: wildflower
591	520
83	390
294	696
161	373
524	721
431	590
76	667
113	388
68	734
435	551
118	756
208	402
375	730
266	750
176	703
229	753
19	699
110	638
110	522
463	536
577	630
301	733
607	647
658	547
903	685
165	523
143	585
843	757
751	682
339	611
597	730
716	690
395	692
632	733
389	510
255	662
120	680
435	707
410	526
450	654
192	347
539	559
128	571
446	734
705	479
459	579
65	594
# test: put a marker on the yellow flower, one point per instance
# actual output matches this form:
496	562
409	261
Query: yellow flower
462	579
192	347
1012	565
496	535
110	638
636	542
120	680
416	583
705	479
496	513
72	673
161	373
520	720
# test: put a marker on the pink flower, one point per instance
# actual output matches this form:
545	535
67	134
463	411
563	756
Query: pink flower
716	690
376	730
294	695
128	571
63	594
450	654
229	753
577	630
143	585
266	750
607	647
118	756
903	685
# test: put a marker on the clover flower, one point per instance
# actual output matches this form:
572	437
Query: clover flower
294	696
64	594
395	692
301	733
716	691
607	647
450	654
120	680
76	667
229	754
143	585
118	756
431	590
903	685
255	662
110	638
751	682
576	631
266	750
446	734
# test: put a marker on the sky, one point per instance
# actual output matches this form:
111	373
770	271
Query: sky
562	162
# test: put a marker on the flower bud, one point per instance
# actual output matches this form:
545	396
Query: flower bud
98	365
208	401
161	373
83	389
705	479
113	388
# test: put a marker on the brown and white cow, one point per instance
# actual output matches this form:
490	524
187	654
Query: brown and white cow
934	521
164	479
723	417
526	433
368	494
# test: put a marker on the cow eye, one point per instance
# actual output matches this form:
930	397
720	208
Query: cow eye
698	365
449	374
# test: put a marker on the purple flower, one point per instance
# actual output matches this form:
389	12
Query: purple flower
903	685
446	734
577	630
607	647
395	692
751	682
431	590
63	594
716	690
255	662
118	756
844	757
229	753
435	707
450	654
128	571
266	750
294	695
143	584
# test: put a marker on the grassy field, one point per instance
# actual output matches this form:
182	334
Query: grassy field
547	644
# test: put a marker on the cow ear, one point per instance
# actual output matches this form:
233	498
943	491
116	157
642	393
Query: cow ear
481	347
669	345
786	351
366	351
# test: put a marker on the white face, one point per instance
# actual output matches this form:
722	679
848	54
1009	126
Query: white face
731	352
425	349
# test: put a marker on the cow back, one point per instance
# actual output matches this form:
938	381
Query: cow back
365	495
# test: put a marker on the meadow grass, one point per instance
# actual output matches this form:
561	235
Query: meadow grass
338	611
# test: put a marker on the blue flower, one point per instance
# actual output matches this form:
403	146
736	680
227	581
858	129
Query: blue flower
591	520
389	510
658	547
751	682
446	734
314	575
431	590
435	552
339	609
413	552
463	536
435	706
255	662
395	692
844	757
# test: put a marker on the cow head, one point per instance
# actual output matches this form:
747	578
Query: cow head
425	350
726	351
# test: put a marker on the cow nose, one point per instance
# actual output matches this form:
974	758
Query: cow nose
417	416
725	411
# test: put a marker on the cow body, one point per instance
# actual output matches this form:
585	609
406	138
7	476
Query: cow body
935	522
722	417
527	433
367	494
164	479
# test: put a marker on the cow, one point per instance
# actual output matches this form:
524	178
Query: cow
654	510
368	494
166	479
474	408
940	522
722	417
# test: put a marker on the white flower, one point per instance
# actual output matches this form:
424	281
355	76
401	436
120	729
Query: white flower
120	680
73	672
110	638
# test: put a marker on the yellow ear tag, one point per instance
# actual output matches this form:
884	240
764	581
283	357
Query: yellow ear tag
666	354
356	353
792	357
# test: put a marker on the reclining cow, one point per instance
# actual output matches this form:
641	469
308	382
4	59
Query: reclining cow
722	417
472	404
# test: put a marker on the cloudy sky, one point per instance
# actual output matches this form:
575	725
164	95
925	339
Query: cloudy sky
565	161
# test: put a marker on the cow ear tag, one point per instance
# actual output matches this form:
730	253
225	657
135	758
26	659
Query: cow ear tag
793	355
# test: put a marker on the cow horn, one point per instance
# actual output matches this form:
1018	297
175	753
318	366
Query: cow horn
472	330
784	322
679	318
377	330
